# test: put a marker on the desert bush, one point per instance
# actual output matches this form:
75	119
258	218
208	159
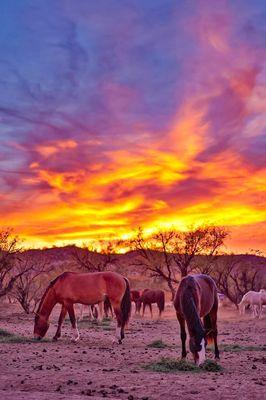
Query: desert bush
237	348
28	288
166	364
8	337
10	249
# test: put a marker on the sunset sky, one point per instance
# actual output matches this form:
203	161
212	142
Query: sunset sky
119	114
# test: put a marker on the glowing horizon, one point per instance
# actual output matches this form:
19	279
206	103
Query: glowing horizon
115	116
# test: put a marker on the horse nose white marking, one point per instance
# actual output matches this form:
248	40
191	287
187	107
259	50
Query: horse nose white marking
201	353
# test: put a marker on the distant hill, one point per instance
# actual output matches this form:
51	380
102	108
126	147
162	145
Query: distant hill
64	259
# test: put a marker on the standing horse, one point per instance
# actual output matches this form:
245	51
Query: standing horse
135	296
255	300
197	298
149	297
85	288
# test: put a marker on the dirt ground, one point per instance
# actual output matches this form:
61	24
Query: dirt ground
96	368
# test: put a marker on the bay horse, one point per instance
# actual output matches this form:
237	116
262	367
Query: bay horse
149	297
135	296
84	288
197	298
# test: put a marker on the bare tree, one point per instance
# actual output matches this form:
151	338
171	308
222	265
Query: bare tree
10	250
88	258
28	287
234	277
202	241
154	255
172	254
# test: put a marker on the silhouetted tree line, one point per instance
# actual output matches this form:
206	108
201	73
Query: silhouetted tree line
166	255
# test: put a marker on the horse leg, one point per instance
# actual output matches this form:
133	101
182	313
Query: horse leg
254	310
150	305
60	322
90	314
100	311
111	311
119	331
183	334
81	312
73	321
160	312
143	309
260	309
213	317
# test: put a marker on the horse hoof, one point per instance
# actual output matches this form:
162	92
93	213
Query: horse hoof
117	341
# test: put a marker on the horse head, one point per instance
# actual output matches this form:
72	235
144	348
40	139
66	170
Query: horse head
197	347
41	325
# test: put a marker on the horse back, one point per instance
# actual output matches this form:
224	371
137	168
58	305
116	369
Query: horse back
203	290
152	296
89	288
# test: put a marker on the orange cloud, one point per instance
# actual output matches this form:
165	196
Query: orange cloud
50	149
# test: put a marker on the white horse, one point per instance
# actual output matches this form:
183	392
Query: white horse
255	300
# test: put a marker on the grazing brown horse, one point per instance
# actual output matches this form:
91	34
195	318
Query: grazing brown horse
135	296
149	297
197	298
85	288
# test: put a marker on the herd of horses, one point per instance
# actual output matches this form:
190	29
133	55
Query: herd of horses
195	303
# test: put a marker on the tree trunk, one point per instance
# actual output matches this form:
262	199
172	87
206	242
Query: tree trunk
172	289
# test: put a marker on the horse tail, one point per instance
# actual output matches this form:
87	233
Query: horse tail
209	329
126	305
161	302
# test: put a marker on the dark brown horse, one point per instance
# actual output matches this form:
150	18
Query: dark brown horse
84	288
149	297
135	296
197	298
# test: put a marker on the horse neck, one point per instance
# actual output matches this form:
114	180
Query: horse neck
191	315
47	303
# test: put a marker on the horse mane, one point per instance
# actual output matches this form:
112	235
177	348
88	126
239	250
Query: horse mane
188	306
51	284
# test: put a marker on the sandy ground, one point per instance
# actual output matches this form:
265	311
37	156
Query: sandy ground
96	368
